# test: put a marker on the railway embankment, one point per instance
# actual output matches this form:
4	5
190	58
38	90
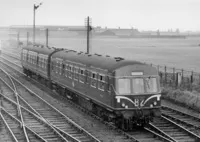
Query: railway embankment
190	99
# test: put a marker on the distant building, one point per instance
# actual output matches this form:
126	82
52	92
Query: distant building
105	33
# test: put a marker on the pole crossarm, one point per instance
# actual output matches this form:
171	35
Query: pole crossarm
37	6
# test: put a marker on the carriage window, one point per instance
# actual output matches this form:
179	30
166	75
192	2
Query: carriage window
81	71
101	83
66	68
40	62
66	72
82	77
93	75
44	63
138	85
124	86
151	85
101	78
76	73
33	59
70	68
29	58
70	71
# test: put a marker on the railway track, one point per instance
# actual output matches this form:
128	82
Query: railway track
152	133
5	131
15	126
173	131
148	135
189	122
36	115
12	53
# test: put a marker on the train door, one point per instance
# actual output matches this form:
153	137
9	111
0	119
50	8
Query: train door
87	80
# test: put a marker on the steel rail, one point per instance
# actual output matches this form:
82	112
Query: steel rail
9	79
189	132
55	109
61	132
12	134
180	121
11	54
37	117
18	105
25	125
19	108
185	122
37	113
112	126
183	113
19	65
68	119
161	132
21	117
160	136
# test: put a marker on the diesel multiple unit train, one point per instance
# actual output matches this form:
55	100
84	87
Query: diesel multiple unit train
121	91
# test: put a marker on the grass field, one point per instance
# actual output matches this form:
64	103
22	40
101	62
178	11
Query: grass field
178	53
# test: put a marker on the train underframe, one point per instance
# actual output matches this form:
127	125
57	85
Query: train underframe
126	120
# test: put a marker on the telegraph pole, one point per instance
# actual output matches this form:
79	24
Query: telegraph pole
89	28
47	36
34	9
34	24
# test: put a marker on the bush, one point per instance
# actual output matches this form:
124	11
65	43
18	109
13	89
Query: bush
190	99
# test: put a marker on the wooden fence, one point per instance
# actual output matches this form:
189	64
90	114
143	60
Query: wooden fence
178	78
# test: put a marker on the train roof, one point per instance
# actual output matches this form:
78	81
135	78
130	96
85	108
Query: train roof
40	49
94	60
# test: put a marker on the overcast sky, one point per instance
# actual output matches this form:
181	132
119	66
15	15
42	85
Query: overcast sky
141	14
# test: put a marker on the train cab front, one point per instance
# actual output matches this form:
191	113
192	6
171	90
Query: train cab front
137	95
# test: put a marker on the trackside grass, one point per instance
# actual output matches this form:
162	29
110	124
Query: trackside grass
189	99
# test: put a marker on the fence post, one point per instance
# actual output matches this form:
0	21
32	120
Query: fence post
174	80
182	81
47	37
191	80
192	77
165	75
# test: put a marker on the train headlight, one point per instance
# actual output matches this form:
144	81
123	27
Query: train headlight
155	103
123	104
151	105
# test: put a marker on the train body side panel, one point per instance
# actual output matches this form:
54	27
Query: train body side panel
82	87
